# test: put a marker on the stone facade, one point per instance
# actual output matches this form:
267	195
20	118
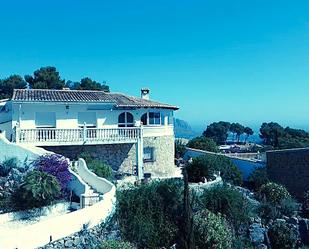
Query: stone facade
122	157
290	168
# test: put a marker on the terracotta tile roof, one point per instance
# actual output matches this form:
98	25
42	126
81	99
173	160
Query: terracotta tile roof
120	100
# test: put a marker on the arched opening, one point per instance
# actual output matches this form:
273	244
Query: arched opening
125	119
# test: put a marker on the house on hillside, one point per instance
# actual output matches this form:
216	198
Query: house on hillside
133	135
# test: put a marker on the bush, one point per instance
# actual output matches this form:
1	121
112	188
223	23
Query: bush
100	169
115	244
38	189
269	211
283	235
7	165
228	202
211	231
288	207
180	148
305	205
149	215
204	166
257	178
203	143
199	170
56	165
273	193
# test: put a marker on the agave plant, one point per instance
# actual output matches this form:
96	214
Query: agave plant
38	189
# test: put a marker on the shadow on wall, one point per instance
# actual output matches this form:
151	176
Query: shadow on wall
120	157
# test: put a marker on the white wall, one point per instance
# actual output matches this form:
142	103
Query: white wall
100	184
68	118
9	150
6	118
38	234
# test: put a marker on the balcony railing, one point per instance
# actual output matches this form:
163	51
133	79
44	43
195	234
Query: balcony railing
53	136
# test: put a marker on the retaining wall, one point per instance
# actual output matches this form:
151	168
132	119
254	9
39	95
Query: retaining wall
122	157
39	234
290	168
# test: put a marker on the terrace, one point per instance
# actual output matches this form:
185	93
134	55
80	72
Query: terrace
89	136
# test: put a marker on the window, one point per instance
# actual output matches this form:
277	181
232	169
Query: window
154	118
149	155
125	119
45	119
151	118
89	119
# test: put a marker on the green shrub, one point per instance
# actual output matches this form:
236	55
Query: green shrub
257	178
7	165
180	148
204	166
199	170
203	143
86	156
228	202
98	167
148	215
283	235
288	207
273	193
211	231
38	189
101	169
305	204
116	244
270	211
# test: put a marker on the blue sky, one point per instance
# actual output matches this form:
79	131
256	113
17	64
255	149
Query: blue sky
240	60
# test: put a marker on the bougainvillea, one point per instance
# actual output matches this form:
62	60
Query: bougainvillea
56	165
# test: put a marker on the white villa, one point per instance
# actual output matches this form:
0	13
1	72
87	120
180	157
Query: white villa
133	135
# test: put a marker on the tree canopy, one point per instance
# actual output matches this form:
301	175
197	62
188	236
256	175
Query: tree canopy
203	143
278	137
7	85
45	78
249	132
88	84
237	129
218	131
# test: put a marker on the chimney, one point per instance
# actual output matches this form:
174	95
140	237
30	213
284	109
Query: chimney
145	93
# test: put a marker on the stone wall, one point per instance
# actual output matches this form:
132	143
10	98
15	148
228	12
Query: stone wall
290	168
122	157
163	164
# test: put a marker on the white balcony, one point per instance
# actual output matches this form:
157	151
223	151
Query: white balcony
56	137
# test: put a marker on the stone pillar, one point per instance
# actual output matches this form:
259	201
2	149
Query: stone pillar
140	155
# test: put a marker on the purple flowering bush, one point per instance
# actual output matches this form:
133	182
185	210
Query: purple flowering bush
56	165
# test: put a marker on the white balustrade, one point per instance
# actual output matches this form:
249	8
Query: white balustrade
53	136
